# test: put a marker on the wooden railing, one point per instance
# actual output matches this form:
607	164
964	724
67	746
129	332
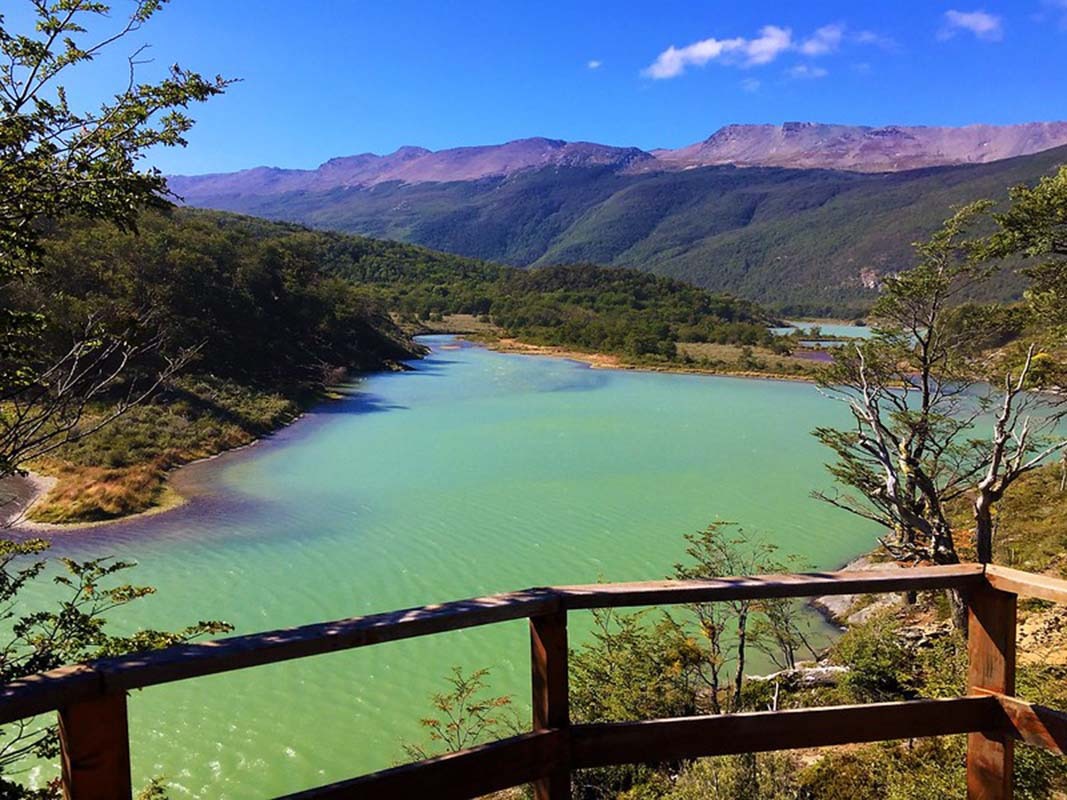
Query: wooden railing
91	699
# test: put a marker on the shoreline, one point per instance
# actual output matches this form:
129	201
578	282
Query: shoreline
33	487
21	493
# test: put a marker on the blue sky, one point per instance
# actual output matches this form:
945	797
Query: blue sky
323	78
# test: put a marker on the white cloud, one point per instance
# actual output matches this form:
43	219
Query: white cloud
594	64
985	26
806	72
766	47
673	61
750	85
876	39
826	39
772	41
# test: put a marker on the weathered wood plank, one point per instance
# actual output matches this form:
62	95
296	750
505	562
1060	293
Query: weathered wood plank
1034	724
551	698
95	749
691	737
240	652
956	576
455	776
1027	584
47	691
991	653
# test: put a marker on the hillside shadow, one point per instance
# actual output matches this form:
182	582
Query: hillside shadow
433	367
358	403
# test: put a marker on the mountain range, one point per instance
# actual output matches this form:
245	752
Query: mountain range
801	145
803	216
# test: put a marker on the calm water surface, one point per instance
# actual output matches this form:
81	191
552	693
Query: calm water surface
477	472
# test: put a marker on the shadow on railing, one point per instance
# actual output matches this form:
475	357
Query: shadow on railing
91	699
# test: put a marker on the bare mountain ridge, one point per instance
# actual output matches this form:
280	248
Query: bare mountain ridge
800	145
414	165
812	145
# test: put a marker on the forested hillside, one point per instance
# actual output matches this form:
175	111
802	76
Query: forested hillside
812	241
258	332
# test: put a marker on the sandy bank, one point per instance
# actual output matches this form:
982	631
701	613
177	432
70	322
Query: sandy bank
17	496
605	361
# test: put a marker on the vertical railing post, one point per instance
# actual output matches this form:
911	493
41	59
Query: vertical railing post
991	653
95	749
551	698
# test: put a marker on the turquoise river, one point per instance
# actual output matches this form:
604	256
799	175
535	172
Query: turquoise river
476	472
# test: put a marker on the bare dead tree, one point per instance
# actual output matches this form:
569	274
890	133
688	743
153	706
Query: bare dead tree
83	389
1024	437
927	433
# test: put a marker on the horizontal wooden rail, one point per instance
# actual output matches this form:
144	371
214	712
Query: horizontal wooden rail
729	734
1035	724
97	767
52	690
468	773
617	595
1025	584
49	691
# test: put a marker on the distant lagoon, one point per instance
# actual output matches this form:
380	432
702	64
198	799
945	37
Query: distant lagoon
833	330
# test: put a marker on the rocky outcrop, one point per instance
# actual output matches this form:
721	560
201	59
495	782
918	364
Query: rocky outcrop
855	609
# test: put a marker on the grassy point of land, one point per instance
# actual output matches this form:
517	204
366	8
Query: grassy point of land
699	358
123	469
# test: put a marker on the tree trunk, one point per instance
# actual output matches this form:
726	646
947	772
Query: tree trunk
714	681
958	602
943	545
983	528
742	632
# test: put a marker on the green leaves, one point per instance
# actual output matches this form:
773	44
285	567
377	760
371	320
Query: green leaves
72	628
466	715
1035	227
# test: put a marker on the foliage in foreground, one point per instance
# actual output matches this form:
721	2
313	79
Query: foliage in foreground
465	715
70	626
647	665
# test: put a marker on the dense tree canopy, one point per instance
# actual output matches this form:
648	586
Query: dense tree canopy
259	308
